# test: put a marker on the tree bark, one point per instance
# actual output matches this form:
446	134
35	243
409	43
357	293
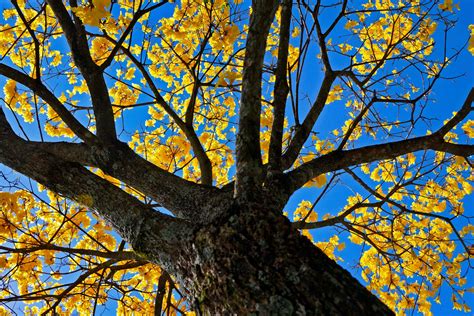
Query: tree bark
251	261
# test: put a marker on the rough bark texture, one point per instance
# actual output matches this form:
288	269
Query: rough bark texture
251	261
247	148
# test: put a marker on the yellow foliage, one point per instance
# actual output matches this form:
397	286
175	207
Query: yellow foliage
448	5
317	182
100	48
471	39
93	13
468	128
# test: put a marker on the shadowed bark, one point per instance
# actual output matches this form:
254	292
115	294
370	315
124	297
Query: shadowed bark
249	160
251	260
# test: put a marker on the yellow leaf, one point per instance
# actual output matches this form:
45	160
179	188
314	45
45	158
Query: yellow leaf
94	13
350	24
320	180
439	207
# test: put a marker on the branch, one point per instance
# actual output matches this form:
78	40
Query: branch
142	227
455	149
403	208
465	110
72	152
93	75
125	34
183	198
161	291
303	131
333	220
44	93
37	67
78	281
281	89
341	159
337	19
118	255
205	164
321	36
249	160
76	39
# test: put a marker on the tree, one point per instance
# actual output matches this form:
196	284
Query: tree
144	203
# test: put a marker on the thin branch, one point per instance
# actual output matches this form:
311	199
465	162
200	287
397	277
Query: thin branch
43	92
304	130
119	255
204	161
33	37
127	31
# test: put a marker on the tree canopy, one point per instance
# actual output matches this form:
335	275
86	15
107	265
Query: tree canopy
121	114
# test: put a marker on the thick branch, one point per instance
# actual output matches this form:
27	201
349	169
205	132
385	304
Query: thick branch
341	159
77	43
133	220
183	198
249	160
281	89
73	152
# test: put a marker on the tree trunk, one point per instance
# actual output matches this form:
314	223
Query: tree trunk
252	261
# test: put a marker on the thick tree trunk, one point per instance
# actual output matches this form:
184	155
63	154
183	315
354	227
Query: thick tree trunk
252	261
